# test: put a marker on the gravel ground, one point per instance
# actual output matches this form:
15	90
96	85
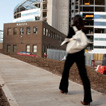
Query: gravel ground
3	100
98	81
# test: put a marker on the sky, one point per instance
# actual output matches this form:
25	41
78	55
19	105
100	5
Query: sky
7	11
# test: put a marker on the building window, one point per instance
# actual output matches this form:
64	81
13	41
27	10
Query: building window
34	48
99	16
44	31
28	48
100	9
8	31
43	48
100	23
100	47
14	48
37	5
99	2
100	30
100	39
87	2
37	18
88	9
28	30
48	32
34	30
21	31
44	14
15	31
88	16
8	48
51	33
44	6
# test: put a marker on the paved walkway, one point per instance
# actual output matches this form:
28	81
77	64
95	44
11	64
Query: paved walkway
28	85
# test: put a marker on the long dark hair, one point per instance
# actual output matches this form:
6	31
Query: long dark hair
78	22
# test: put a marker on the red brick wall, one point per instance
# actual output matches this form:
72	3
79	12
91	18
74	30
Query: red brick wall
39	39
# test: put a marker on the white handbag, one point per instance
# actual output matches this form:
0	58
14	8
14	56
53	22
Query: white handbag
77	43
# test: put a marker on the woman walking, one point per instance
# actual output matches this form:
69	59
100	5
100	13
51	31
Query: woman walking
79	58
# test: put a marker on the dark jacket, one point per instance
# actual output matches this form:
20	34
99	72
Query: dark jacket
71	32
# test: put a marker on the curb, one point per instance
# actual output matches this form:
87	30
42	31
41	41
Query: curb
11	100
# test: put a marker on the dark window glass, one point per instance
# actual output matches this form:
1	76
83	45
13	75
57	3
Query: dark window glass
21	31
34	30
100	30
14	48
88	9
44	14
100	9
44	6
100	47
8	48
15	31
9	31
37	18
99	2
28	30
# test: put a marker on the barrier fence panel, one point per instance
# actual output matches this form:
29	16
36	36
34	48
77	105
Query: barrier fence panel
59	54
88	58
55	54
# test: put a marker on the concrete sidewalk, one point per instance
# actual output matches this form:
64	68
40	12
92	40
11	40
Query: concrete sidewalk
27	85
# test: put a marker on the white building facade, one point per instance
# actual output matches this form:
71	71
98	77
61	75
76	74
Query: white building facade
29	15
94	16
100	32
58	14
54	12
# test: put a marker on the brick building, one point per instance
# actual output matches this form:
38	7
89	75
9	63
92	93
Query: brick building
34	37
1	47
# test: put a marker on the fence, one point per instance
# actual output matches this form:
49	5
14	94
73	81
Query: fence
88	59
55	54
59	54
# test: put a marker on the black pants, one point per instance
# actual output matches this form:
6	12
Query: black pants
79	58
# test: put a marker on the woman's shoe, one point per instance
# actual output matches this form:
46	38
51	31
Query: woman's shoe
85	103
63	92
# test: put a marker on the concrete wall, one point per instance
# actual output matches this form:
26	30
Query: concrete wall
49	13
58	14
63	15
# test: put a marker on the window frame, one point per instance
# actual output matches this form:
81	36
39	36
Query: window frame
28	49
28	32
34	31
35	48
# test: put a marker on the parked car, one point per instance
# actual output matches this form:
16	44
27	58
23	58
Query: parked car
104	60
26	54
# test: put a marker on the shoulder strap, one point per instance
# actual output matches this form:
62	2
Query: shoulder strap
75	28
